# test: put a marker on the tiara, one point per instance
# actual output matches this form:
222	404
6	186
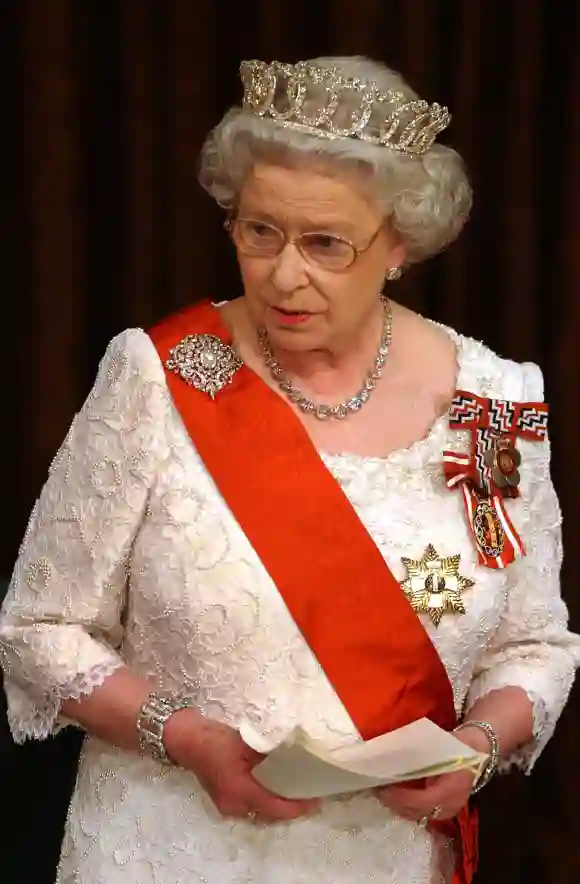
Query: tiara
319	101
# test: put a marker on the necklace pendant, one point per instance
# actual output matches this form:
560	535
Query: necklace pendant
204	362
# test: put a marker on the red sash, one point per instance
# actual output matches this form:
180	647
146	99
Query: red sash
334	581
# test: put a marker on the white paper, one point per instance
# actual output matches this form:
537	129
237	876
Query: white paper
299	769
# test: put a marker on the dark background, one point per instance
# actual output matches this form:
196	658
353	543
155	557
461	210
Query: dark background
104	108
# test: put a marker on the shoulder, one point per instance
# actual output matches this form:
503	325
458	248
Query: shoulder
487	373
129	395
130	355
492	376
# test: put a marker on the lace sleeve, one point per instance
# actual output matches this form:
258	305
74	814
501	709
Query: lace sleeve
532	647
60	627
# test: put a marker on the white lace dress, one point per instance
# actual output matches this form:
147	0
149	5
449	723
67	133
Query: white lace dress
131	556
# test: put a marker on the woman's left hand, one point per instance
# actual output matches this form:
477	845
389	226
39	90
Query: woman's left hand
436	797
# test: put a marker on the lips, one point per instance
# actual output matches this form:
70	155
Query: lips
290	317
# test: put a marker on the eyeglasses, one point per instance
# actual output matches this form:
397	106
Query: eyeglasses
257	239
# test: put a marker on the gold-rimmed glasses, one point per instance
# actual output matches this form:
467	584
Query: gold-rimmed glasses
259	239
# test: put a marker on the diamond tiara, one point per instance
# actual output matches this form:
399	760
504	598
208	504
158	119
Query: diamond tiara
321	102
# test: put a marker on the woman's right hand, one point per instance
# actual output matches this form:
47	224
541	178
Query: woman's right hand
221	761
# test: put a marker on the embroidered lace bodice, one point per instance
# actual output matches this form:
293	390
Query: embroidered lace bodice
132	557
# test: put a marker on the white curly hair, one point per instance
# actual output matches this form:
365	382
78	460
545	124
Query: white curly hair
427	198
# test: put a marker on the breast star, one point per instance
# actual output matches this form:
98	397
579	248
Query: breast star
434	584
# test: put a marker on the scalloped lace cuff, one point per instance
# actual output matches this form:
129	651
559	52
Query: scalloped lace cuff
34	719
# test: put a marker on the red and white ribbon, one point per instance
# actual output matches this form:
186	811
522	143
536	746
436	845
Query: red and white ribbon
490	420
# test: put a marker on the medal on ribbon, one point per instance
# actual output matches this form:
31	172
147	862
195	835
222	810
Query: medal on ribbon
488	474
434	585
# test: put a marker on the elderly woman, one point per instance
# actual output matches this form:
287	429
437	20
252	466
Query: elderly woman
306	507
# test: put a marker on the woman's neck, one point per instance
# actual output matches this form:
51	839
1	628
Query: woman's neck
333	373
340	368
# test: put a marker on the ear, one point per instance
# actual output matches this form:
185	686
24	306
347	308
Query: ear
397	256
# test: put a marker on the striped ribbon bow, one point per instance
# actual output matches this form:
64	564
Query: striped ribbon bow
489	473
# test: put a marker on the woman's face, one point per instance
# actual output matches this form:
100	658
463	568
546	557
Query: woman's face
303	304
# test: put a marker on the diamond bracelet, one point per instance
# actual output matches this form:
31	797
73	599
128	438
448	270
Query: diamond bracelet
491	766
153	716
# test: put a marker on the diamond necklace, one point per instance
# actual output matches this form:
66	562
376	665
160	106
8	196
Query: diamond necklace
323	412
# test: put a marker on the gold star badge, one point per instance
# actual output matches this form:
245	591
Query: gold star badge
434	584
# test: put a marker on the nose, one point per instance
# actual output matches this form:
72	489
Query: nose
289	271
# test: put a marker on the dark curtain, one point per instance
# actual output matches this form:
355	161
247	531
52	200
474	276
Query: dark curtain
105	107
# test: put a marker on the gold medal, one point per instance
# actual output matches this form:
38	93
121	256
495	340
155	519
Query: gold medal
434	584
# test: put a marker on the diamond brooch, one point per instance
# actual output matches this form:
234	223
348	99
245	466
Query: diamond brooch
204	362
